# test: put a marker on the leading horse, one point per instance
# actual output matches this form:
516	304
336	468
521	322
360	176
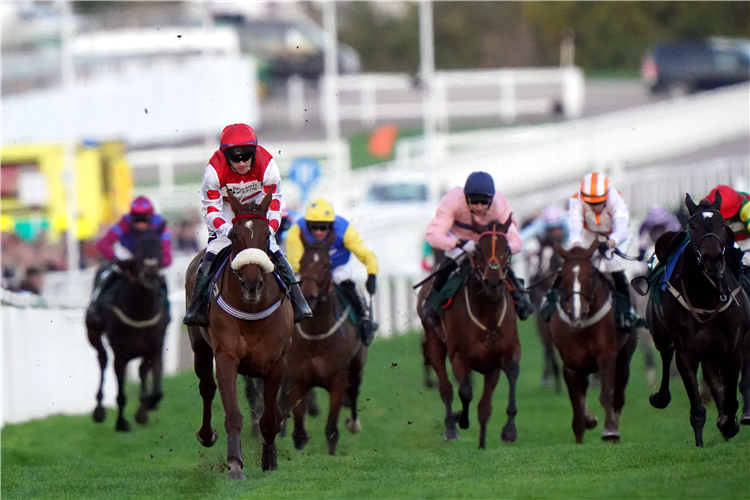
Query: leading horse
250	328
583	330
478	332
135	322
704	316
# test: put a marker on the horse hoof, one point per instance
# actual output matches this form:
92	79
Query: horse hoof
611	436
122	425
100	414
463	420
591	422
354	426
429	384
509	434
745	419
657	401
211	441
269	458
141	416
313	409
300	439
730	428
235	472
451	434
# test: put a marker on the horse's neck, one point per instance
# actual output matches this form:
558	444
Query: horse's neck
324	314
137	300
474	287
697	286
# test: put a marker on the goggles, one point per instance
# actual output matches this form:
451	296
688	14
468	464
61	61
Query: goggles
242	155
135	218
318	226
478	200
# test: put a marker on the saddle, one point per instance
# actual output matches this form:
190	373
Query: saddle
343	295
668	249
442	299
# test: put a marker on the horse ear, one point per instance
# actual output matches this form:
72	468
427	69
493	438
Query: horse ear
717	201
592	248
506	225
234	202
266	202
559	250
690	204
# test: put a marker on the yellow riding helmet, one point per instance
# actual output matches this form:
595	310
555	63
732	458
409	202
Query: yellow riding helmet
320	210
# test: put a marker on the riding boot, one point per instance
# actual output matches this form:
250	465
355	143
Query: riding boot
100	295
365	324
524	309
429	312
197	310
624	316
299	304
549	305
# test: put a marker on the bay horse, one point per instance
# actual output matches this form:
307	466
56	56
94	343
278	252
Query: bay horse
326	351
548	261
478	332
135	323
583	330
250	328
704	317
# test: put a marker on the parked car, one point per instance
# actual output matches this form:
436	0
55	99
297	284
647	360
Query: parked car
684	67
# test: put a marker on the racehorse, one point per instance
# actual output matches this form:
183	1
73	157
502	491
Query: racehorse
326	351
478	332
704	316
135	322
250	329
583	330
541	282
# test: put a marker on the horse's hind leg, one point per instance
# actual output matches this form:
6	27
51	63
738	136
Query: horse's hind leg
438	352
203	364
484	408
298	403
95	339
270	421
120	364
577	384
662	398
141	416
688	366
509	433
426	366
356	368
714	383
622	376
253	393
730	372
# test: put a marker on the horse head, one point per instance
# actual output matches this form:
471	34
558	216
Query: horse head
579	281
315	268
250	245
147	260
491	256
709	234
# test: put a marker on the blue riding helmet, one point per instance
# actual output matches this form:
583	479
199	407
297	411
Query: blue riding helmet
480	183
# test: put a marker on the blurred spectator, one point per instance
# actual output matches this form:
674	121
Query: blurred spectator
25	262
658	220
32	282
186	236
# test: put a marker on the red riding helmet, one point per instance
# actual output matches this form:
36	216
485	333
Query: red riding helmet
142	206
238	134
731	200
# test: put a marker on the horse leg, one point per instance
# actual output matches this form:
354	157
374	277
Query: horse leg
141	416
577	392
462	373
356	367
253	388
226	375
297	399
438	351
622	376
484	408
157	370
203	364
688	366
426	365
509	433
95	339
607	397
662	398
270	422
647	346
745	383
714	382
120	365
313	408
730	372
336	397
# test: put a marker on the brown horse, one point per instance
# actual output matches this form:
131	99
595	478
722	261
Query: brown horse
250	329
583	330
478	332
542	279
326	351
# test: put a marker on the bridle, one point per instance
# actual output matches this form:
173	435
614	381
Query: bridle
237	272
325	284
696	247
593	279
493	264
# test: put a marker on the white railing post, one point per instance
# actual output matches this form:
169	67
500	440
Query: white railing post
295	88
368	102
573	91
166	173
507	97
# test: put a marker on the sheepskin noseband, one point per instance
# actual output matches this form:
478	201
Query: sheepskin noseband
252	256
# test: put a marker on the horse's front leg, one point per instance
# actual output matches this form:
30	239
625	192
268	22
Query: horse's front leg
141	416
270	421
730	372
688	366
509	433
437	352
95	339
356	369
622	375
336	398
298	402
462	372
745	381
607	397
577	383
203	364
120	364
484	409
226	375
662	398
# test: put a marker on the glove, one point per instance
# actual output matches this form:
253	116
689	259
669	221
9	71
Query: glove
603	247
370	285
224	230
122	253
468	246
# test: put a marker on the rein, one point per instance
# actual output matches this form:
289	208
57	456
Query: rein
330	331
250	216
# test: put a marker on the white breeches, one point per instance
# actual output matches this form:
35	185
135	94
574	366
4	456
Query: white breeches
343	272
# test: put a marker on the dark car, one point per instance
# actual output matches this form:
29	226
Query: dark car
688	66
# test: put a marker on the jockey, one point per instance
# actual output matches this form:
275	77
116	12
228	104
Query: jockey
657	222
248	171
317	224
451	231
598	212
119	244
735	208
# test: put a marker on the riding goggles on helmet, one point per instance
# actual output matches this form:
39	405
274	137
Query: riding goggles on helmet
140	218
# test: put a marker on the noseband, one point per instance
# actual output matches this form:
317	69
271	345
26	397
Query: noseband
494	263
697	246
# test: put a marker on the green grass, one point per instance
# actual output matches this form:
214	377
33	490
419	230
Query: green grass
400	452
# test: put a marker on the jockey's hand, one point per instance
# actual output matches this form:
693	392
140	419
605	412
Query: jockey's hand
224	229
603	247
611	243
468	246
370	285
